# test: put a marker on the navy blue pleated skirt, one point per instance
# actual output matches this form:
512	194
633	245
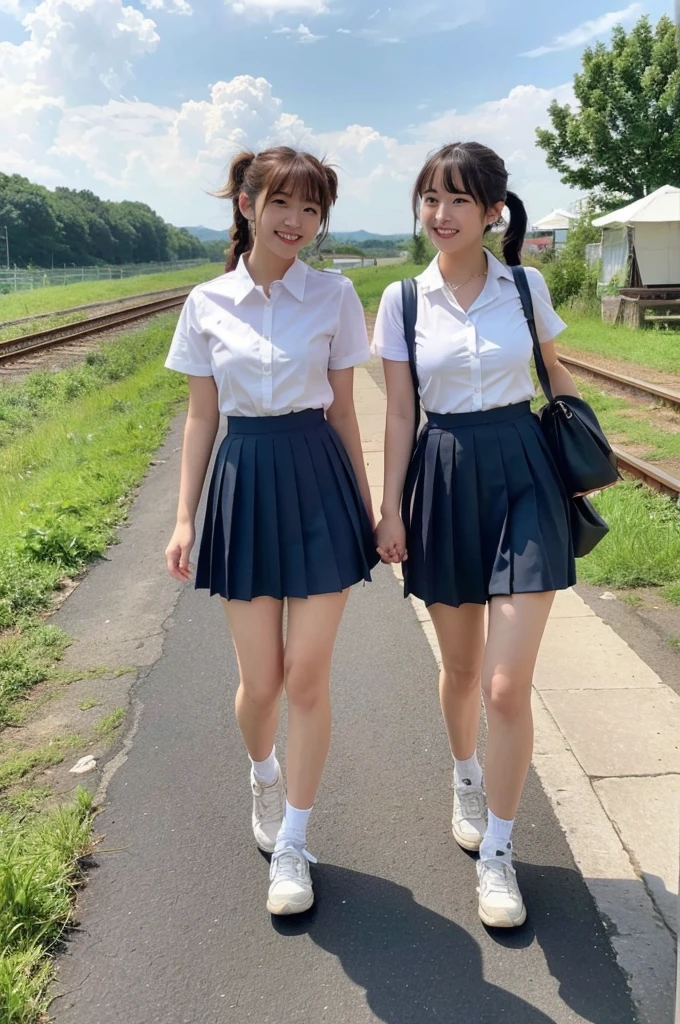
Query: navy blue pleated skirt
485	511
284	516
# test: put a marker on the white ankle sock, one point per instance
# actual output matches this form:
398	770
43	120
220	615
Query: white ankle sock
468	773
266	772
294	827
497	843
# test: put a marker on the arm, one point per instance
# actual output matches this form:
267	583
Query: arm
343	419
561	381
390	536
199	437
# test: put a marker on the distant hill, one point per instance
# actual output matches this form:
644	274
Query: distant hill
366	236
210	235
207	234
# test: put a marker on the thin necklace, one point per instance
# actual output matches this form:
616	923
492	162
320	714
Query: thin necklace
453	288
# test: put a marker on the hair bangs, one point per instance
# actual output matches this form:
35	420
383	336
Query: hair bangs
303	178
460	176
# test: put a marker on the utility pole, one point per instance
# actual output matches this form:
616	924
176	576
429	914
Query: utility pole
7	247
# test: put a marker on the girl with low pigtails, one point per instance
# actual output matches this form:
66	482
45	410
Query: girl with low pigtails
477	512
271	345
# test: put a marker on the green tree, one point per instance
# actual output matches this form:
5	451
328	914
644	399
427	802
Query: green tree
623	141
420	249
568	274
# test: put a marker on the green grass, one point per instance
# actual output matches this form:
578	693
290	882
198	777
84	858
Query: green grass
643	546
630	423
44	394
38	873
88	704
64	486
28	656
371	282
16	764
47	300
654	348
671	591
110	723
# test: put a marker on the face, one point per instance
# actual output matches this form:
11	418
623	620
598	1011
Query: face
454	221
284	223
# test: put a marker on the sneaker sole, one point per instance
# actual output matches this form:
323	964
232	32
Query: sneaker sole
284	909
507	922
466	842
266	847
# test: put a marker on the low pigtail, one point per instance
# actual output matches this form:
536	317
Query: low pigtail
240	231
513	239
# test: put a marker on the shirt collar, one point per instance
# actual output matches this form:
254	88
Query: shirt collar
431	278
293	281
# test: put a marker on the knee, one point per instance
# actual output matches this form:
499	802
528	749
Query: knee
506	697
460	677
264	691
304	682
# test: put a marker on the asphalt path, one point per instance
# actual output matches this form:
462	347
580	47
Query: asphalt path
173	924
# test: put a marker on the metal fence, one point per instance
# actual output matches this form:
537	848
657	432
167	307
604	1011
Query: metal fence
19	280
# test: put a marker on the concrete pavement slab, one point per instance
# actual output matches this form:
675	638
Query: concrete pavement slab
622	732
646	814
598	658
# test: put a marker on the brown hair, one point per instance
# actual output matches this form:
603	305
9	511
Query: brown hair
280	169
483	176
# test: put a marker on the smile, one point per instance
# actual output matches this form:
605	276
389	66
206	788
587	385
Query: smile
446	232
288	238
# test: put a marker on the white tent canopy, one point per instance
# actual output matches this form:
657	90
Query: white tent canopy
652	226
558	220
662	206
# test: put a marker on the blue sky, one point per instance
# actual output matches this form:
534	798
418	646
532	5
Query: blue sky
149	99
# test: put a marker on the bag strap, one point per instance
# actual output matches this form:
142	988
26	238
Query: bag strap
409	301
522	284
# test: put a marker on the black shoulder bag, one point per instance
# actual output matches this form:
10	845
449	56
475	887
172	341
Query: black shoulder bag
409	301
579	448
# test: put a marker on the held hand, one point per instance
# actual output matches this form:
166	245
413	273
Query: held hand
178	551
390	539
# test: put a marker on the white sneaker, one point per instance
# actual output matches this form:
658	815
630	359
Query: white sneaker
469	815
500	901
269	806
290	889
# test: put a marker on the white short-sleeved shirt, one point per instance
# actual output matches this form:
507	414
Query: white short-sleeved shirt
468	361
270	356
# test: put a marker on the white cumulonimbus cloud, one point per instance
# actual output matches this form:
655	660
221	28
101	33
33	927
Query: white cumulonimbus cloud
63	121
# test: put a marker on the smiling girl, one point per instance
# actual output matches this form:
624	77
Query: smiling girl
478	513
272	345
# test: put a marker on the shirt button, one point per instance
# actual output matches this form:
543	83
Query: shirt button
476	391
468	323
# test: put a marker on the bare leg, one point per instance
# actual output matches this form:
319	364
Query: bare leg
312	628
516	626
257	631
460	632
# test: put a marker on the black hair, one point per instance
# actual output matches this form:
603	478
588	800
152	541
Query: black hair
482	175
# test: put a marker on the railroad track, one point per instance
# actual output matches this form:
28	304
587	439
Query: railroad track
104	304
650	474
41	340
641	387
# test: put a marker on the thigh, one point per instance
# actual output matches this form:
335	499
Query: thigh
312	629
460	632
257	631
516	626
